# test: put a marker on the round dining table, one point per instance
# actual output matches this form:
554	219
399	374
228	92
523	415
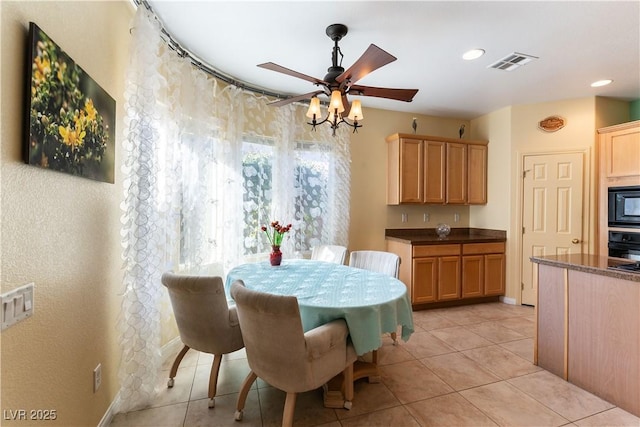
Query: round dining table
371	303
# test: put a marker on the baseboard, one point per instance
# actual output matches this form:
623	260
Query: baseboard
111	412
507	300
171	348
167	350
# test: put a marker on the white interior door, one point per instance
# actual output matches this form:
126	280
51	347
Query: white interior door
551	212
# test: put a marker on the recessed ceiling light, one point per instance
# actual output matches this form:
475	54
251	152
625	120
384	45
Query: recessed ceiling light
473	54
601	83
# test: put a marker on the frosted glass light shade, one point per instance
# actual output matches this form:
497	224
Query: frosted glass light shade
314	108
356	111
336	102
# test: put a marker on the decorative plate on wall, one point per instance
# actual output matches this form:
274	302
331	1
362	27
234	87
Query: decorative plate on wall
552	123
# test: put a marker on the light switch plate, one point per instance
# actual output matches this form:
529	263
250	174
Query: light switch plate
16	305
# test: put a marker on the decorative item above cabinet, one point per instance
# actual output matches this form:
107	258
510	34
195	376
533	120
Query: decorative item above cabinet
424	169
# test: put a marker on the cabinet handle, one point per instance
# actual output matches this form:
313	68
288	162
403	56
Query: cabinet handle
575	241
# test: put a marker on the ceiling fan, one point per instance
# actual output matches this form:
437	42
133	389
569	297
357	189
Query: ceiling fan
338	83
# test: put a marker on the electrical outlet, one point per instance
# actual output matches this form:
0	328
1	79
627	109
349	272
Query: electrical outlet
456	217
405	217
425	217
97	377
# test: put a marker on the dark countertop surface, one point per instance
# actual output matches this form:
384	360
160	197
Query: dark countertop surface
590	264
428	236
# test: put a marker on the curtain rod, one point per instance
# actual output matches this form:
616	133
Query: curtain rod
196	62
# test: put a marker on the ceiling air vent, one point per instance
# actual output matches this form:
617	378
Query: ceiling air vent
512	61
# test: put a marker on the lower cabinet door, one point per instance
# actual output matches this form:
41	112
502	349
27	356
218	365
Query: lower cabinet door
472	276
494	274
448	278
425	277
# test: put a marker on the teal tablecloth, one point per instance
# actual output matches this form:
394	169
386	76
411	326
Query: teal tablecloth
371	303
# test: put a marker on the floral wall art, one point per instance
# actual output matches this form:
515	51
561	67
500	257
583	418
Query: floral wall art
70	119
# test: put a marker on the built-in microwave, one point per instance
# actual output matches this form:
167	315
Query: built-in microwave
624	206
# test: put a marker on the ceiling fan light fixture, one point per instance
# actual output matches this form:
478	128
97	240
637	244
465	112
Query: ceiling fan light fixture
472	54
335	104
339	83
601	83
314	108
356	114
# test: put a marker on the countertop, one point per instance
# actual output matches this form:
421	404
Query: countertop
428	236
590	264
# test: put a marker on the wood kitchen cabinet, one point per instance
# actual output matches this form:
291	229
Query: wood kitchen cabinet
494	274
434	171
450	272
456	173
429	169
472	276
619	166
620	145
448	278
467	266
436	273
409	170
483	269
477	174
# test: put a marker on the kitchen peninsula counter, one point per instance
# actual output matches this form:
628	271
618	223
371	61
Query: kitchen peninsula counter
588	325
587	263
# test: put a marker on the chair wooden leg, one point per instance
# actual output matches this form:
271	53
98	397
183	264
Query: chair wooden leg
289	409
213	379
348	386
176	364
242	396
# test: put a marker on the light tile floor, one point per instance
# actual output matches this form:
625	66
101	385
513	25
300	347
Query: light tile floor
463	366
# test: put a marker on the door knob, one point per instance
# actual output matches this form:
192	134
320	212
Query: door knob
575	241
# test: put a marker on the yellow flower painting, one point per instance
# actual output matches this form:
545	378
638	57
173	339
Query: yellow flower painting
71	119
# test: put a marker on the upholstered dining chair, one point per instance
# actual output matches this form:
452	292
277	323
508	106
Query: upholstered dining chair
381	262
329	253
283	355
205	321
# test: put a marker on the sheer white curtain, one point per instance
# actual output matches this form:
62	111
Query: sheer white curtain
205	166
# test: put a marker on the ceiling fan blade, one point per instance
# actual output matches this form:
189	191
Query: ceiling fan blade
282	102
372	59
280	69
382	92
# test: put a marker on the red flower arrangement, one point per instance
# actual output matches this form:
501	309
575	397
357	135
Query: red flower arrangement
276	235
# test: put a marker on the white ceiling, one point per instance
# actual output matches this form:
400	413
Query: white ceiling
577	43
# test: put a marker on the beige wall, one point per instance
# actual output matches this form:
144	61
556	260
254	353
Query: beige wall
495	128
611	112
59	231
513	133
370	214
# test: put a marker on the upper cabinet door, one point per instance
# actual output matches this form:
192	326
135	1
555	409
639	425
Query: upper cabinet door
436	170
434	175
477	174
411	171
622	153
456	173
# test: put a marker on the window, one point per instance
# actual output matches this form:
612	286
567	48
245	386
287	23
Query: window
307	190
257	174
311	178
